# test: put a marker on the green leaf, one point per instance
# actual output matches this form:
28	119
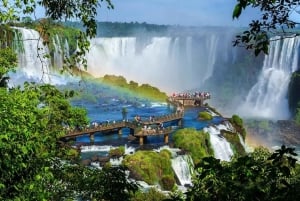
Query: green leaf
237	11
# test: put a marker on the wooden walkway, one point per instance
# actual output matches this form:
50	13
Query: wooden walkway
134	126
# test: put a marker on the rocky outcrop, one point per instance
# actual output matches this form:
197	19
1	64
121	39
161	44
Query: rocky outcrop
270	133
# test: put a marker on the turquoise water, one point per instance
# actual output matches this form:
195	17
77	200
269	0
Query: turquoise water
110	109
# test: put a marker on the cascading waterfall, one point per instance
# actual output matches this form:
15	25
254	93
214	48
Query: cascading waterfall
57	53
268	97
221	146
32	61
172	63
183	168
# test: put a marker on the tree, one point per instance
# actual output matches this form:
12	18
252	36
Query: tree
275	20
34	164
257	176
31	124
8	62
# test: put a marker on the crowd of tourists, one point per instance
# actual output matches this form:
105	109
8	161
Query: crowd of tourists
205	95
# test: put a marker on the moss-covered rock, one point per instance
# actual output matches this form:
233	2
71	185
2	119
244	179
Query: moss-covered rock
117	152
151	167
205	115
237	122
235	143
195	142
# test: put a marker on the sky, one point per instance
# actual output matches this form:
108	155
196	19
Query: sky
176	12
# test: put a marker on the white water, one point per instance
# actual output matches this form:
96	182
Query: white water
32	61
93	148
170	63
58	53
268	97
221	146
183	167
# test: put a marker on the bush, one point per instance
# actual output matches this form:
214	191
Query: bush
149	166
150	195
237	120
167	182
205	116
195	142
118	152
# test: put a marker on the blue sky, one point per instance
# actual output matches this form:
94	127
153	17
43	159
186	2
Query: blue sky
176	12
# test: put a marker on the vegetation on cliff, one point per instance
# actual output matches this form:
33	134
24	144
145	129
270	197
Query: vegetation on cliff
205	115
151	167
144	90
238	124
196	143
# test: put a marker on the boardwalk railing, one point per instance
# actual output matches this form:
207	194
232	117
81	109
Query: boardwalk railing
188	100
133	125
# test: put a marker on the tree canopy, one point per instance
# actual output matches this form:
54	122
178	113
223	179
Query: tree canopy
275	20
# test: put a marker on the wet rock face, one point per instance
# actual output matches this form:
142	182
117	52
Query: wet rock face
272	133
289	131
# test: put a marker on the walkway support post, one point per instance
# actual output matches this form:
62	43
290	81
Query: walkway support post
120	131
92	138
180	123
166	138
141	140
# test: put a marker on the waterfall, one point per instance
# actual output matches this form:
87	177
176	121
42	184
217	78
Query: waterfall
172	63
58	53
221	146
32	61
183	168
268	97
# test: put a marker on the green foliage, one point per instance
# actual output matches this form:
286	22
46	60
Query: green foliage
168	182
239	125
85	183
119	81
150	166
31	124
8	62
195	142
274	16
237	120
205	115
235	143
257	176
144	90
117	152
151	195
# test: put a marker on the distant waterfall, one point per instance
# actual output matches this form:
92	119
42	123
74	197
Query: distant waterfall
170	63
31	60
220	145
268	97
183	168
34	62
